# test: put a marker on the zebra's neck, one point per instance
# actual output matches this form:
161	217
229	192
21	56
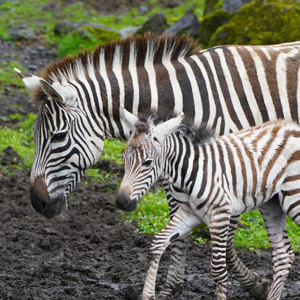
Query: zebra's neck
144	75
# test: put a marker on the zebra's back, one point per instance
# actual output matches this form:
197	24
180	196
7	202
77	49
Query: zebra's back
252	165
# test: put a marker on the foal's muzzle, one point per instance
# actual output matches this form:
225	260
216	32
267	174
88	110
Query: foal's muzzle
124	202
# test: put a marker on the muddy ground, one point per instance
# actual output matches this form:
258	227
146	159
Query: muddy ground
91	254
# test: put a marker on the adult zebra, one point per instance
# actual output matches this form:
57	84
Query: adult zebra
214	179
229	87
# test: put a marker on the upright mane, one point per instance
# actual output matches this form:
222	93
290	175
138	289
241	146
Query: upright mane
141	49
197	134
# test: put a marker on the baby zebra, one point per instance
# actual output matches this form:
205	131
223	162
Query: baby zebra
215	178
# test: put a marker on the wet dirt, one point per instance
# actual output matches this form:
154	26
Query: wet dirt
91	254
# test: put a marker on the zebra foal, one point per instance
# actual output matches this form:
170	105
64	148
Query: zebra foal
213	180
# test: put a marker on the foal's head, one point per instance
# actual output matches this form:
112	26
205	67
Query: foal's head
143	158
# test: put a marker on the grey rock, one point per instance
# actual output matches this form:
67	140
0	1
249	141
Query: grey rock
128	31
21	32
143	10
187	24
231	6
64	27
155	24
174	4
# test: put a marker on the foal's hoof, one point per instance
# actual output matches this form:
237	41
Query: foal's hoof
260	288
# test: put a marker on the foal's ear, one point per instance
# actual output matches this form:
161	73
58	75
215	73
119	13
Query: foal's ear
129	118
163	130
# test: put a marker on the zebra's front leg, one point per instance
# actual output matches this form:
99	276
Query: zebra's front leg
249	281
282	252
182	223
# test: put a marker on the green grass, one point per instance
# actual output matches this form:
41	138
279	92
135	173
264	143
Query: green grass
8	75
18	12
152	213
34	15
19	139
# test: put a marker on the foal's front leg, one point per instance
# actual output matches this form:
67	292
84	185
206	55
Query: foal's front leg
181	223
218	228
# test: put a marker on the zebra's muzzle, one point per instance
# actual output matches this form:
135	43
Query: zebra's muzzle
42	202
124	202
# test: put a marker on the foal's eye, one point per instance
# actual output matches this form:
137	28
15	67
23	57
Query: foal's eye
147	162
58	137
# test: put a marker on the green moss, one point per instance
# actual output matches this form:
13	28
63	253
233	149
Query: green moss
210	24
261	22
212	5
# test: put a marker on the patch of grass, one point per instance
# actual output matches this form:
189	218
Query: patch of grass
72	43
152	213
19	139
254	236
19	12
113	150
8	75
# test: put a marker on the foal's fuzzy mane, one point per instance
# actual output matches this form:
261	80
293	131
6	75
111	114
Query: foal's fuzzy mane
197	134
148	47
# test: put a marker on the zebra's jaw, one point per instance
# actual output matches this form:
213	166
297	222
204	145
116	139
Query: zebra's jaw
46	204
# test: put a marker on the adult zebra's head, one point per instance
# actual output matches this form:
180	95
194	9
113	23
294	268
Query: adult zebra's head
66	144
143	158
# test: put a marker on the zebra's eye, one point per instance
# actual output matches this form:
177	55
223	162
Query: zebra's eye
58	137
147	162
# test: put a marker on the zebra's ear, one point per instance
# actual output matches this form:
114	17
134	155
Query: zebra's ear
62	93
31	81
162	130
129	118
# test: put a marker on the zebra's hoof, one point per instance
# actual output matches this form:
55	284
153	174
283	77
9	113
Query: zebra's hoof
260	288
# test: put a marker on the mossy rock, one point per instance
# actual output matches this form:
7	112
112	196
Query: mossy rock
212	5
210	24
261	23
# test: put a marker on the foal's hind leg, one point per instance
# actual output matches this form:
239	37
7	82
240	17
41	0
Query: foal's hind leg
248	280
282	252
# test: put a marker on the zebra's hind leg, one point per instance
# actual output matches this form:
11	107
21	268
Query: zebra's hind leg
249	281
182	223
282	252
